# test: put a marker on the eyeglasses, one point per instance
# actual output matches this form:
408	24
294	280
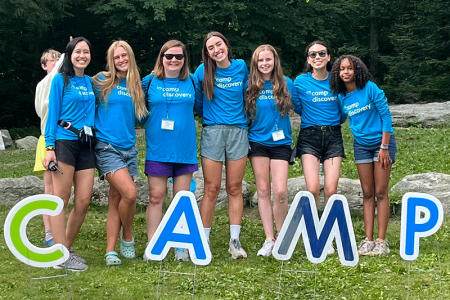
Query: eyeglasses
170	56
313	54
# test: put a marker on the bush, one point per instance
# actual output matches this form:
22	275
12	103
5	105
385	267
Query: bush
20	133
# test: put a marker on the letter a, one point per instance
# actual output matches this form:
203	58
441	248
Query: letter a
15	231
414	226
181	227
302	219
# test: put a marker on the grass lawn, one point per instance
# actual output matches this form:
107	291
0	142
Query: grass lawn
420	150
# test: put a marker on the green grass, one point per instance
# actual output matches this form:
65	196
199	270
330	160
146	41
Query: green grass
420	150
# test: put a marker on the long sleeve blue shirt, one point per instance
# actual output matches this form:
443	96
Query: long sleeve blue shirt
268	119
368	114
227	107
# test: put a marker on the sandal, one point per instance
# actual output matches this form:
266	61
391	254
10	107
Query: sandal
112	259
127	249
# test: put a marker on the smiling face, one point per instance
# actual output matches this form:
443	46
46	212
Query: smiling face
266	64
318	56
121	61
81	57
217	50
172	67
346	71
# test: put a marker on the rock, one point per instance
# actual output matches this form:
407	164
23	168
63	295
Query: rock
222	199
428	114
27	143
6	138
350	188
435	184
13	190
295	120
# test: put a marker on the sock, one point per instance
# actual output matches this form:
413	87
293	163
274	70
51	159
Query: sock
48	234
207	232
235	231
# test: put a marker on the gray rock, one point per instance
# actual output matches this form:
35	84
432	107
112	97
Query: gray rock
27	143
350	188
13	190
428	114
7	141
436	184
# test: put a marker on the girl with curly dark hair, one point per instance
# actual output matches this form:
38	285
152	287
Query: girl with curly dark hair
268	101
374	143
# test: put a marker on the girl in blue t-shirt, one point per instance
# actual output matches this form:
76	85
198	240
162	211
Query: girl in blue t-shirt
71	100
171	92
224	135
120	101
374	143
268	101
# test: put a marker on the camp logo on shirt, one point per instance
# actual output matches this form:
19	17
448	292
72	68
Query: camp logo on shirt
123	91
82	90
225	82
353	108
173	92
266	95
321	96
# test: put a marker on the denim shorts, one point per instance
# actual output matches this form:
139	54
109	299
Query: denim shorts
323	142
224	142
73	153
111	159
168	169
281	152
367	154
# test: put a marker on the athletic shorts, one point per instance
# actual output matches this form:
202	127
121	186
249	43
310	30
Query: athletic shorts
224	142
110	159
40	154
72	153
167	169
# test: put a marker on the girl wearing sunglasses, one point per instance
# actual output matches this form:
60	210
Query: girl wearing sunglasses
268	101
120	101
224	135
374	143
320	138
171	92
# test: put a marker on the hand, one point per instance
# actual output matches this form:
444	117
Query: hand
384	158
49	156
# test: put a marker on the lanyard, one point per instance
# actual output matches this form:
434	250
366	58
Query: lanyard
274	108
171	99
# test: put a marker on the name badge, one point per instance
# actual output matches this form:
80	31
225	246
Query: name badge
88	130
167	124
278	135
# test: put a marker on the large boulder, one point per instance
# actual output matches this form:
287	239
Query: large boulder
428	114
27	143
6	138
13	190
350	188
435	184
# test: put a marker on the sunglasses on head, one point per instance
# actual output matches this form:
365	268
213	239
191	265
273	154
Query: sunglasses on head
170	56
313	54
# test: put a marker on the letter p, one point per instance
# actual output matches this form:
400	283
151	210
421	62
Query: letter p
422	216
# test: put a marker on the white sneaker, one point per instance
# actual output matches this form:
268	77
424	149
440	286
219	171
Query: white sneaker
366	247
331	251
236	249
181	254
267	247
381	248
72	265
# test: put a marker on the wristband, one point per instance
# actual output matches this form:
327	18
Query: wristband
384	148
50	148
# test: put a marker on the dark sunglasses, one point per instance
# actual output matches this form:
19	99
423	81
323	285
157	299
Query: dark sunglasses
170	56
313	54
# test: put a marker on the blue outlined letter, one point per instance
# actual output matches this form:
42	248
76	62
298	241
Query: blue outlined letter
414	226
302	219
181	227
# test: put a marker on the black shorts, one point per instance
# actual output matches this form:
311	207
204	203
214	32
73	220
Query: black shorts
323	142
72	153
282	152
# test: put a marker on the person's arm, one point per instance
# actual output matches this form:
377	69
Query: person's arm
198	106
383	156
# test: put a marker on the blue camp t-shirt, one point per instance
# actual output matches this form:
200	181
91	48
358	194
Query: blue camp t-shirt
268	119
227	107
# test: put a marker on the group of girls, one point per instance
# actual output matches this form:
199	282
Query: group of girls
244	114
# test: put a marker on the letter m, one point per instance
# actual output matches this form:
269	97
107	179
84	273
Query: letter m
303	219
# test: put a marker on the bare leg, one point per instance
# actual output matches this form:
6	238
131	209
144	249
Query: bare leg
280	170
381	193
182	183
83	184
48	189
332	168
157	186
113	223
310	165
212	174
261	170
235	170
365	172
